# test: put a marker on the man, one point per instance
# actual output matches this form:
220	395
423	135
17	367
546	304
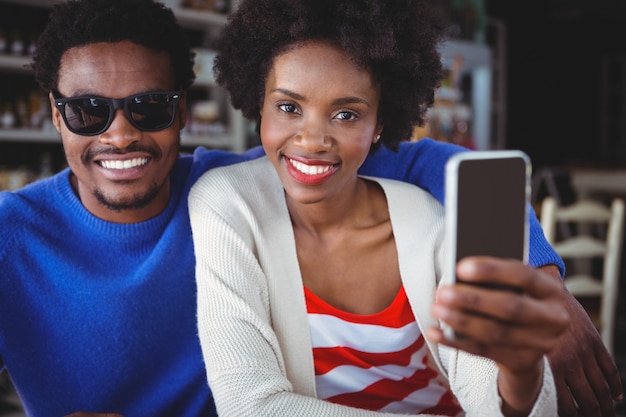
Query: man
97	296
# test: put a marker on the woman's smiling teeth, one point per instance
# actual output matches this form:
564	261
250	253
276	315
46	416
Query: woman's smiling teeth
123	164
309	169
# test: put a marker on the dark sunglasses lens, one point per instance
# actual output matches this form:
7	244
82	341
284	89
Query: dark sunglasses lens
152	111
87	116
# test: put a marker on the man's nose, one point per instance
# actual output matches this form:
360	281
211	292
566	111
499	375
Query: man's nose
122	132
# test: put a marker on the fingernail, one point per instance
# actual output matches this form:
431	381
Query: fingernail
439	312
466	266
444	294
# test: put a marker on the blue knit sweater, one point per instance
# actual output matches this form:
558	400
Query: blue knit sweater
99	316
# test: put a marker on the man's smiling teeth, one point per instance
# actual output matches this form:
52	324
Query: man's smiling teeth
310	169
128	163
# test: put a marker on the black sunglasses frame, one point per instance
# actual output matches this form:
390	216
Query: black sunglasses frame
118	103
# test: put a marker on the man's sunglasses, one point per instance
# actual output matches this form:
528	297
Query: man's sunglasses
93	115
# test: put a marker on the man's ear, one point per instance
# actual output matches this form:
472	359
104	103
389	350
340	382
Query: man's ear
57	119
182	110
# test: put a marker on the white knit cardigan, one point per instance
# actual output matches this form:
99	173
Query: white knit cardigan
252	318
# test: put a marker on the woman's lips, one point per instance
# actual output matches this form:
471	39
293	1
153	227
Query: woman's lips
311	172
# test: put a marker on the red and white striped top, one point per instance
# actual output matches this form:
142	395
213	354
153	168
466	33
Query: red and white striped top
375	362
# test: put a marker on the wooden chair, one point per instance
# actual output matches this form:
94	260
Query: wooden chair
597	233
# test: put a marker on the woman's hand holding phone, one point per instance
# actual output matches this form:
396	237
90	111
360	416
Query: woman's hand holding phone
513	328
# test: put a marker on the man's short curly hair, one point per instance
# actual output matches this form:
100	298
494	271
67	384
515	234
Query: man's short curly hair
76	23
397	40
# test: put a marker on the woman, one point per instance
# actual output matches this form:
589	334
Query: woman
316	287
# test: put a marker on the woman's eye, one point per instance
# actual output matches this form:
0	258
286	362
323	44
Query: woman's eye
287	108
346	115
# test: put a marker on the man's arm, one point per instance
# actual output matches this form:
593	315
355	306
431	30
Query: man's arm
584	371
423	163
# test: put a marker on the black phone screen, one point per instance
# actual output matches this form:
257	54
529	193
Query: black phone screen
491	207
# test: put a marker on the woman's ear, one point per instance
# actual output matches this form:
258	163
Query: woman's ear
377	133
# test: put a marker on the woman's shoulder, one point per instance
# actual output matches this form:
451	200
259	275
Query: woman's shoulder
240	177
406	194
252	184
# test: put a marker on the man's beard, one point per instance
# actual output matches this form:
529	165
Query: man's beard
137	201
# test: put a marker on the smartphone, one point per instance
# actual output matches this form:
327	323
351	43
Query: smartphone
487	198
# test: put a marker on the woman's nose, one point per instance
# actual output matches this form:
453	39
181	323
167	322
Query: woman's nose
314	136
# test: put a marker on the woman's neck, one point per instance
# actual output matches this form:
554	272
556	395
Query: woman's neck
362	207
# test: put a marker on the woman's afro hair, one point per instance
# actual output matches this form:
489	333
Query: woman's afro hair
76	23
397	40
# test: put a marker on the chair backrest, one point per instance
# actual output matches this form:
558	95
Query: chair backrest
598	233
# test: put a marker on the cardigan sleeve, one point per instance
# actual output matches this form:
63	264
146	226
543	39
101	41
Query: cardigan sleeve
474	381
